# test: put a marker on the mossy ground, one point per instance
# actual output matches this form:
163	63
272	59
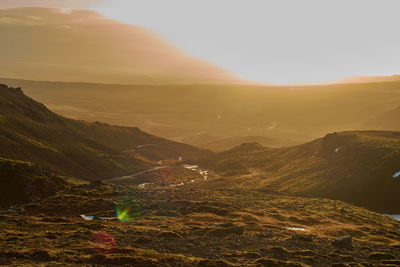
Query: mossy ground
200	224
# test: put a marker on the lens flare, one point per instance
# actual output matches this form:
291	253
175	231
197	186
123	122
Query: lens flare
103	243
128	210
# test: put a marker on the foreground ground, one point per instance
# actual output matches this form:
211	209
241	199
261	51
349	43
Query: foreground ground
199	224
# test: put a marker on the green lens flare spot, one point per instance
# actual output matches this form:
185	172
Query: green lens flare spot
128	211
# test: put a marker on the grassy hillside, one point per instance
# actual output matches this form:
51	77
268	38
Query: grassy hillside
358	167
31	132
204	114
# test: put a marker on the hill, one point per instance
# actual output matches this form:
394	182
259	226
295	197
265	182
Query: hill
31	132
369	79
357	167
85	46
386	121
231	142
206	114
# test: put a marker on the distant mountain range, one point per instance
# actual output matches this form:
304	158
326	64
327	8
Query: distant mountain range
231	142
52	44
221	116
370	79
389	120
30	132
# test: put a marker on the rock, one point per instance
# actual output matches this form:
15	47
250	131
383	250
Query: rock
143	240
343	242
225	225
214	263
95	183
267	262
97	258
51	235
170	235
130	261
303	237
277	252
251	255
270	262
381	256
13	254
236	229
160	213
339	264
214	210
393	262
268	233
305	253
223	232
41	255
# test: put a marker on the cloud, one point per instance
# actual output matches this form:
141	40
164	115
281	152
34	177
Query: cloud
83	45
73	4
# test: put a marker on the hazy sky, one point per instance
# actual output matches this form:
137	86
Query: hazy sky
282	41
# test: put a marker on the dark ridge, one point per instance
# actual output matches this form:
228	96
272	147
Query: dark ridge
31	132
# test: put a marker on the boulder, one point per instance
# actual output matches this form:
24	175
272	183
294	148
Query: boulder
343	242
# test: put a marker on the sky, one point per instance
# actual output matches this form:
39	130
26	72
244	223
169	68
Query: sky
271	41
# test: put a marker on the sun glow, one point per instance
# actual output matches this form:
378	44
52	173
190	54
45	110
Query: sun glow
279	42
269	42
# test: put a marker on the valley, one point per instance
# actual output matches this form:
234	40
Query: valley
199	133
178	205
220	117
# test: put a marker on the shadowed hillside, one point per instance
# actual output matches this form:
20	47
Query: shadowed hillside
31	132
358	167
